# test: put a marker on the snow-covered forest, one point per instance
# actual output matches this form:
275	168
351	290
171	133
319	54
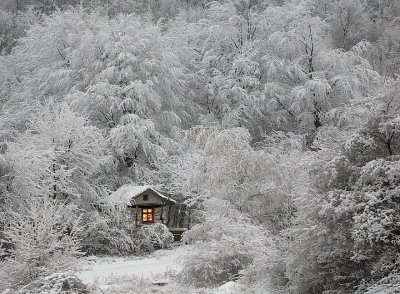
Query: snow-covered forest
275	122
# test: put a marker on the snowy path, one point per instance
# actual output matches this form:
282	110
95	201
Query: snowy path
110	274
156	263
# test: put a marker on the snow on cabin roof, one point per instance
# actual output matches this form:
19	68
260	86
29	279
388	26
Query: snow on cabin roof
125	193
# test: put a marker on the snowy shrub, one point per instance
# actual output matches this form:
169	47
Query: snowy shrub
103	235
268	271
215	262
43	234
387	285
375	202
346	230
224	245
154	236
4	278
56	283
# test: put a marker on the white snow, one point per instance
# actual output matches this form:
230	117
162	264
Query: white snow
227	288
157	263
122	275
125	193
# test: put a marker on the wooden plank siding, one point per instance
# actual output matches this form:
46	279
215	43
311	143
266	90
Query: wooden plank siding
160	214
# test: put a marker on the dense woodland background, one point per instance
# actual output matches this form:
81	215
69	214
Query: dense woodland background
277	121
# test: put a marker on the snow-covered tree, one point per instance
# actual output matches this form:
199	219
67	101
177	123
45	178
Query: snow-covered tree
349	22
308	81
56	155
43	238
345	229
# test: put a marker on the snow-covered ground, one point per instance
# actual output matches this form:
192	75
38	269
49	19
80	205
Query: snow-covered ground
156	264
146	274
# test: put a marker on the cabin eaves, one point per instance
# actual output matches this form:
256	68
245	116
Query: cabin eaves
126	194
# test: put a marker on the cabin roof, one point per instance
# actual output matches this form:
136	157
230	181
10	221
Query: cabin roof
126	193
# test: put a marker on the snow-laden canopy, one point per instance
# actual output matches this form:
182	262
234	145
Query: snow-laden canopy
126	193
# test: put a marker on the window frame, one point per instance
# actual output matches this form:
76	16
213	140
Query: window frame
148	211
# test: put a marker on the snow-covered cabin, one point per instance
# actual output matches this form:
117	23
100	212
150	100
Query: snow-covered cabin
146	204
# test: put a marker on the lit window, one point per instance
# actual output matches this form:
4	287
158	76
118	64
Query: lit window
147	215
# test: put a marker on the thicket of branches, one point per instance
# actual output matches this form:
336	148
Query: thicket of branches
277	120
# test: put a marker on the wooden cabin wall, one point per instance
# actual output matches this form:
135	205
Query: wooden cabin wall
157	214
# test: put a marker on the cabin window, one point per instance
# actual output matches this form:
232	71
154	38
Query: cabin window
145	197
147	215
